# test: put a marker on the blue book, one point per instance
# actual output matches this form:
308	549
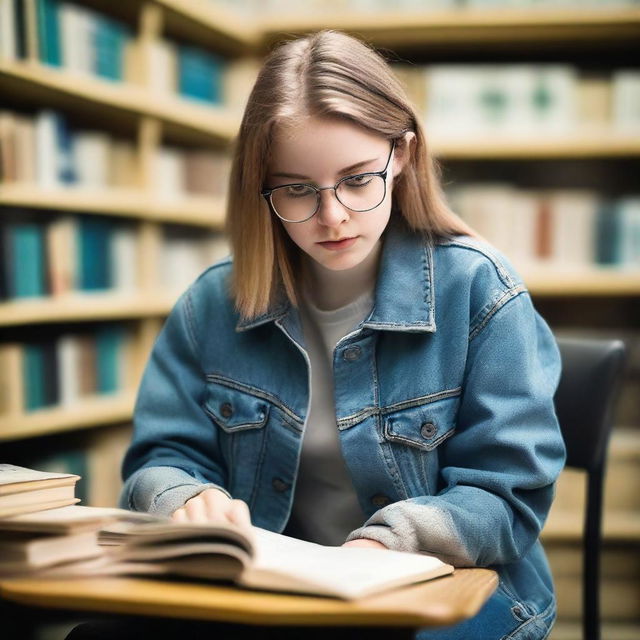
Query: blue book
49	32
28	268
33	377
109	345
94	253
200	74
65	150
109	39
607	249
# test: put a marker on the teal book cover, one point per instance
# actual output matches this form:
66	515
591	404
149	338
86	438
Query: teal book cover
200	74
94	253
33	377
109	345
27	248
49	32
109	39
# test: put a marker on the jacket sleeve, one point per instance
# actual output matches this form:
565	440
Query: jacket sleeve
499	468
174	454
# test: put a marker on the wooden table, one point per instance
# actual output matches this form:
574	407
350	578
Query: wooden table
439	602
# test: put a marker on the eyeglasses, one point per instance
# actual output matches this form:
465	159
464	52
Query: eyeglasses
298	202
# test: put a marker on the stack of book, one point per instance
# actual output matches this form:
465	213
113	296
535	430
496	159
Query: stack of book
75	541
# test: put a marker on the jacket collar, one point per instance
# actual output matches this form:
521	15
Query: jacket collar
404	298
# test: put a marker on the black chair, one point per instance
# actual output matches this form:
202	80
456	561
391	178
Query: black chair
592	372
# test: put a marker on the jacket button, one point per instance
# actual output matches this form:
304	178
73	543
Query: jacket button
226	410
352	354
428	430
279	485
380	500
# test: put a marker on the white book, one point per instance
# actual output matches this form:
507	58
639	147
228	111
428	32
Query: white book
452	95
75	39
573	216
46	150
92	149
522	248
69	358
168	175
553	99
626	101
7	30
162	68
124	249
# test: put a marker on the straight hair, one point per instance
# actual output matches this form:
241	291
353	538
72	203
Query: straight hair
329	75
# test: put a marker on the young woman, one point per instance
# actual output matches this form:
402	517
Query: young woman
364	371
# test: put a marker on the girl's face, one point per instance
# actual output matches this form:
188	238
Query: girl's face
321	152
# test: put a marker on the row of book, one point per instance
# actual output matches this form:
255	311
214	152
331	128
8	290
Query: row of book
82	41
61	370
46	150
562	229
462	100
327	6
54	256
64	34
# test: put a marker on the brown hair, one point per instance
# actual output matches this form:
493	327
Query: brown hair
326	74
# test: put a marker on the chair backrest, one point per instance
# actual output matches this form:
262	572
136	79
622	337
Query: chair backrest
591	376
592	372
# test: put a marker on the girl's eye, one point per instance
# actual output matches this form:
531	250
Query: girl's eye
299	191
358	181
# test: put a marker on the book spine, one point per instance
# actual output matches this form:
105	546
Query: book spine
94	254
49	32
27	247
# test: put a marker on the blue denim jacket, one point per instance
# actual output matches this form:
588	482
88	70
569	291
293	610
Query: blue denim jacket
444	406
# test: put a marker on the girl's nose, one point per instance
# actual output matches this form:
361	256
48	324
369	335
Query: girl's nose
331	212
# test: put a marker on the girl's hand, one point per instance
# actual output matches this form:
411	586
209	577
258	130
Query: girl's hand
364	542
212	505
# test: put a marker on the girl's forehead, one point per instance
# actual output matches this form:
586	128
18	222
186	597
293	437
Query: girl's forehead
323	144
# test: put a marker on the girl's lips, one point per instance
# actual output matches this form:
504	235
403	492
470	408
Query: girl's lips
345	243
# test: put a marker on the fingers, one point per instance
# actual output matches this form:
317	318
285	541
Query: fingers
212	505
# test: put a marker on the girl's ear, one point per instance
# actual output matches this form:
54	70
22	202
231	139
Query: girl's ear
404	150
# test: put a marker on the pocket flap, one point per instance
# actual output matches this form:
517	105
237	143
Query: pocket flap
235	410
424	426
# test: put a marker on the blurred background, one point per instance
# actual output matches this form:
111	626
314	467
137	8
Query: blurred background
116	122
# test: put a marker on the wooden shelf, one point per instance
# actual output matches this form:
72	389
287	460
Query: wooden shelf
567	527
199	211
225	29
78	307
91	412
42	82
605	144
450	29
588	282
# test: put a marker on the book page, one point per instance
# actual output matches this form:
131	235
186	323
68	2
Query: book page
287	564
12	475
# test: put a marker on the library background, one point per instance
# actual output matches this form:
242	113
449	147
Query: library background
116	120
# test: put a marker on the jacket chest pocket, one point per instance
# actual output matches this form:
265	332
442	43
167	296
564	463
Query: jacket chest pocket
411	438
241	419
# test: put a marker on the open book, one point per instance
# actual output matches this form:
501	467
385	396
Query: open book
256	559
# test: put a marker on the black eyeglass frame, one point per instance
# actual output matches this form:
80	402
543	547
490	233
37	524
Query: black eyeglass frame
266	193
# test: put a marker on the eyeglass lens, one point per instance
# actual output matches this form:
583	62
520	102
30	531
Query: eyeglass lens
299	202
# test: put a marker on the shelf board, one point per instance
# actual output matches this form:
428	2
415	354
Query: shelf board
91	412
199	211
225	29
567	526
43	82
601	282
604	144
78	307
449	29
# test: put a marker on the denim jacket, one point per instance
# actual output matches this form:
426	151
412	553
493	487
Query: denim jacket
444	407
